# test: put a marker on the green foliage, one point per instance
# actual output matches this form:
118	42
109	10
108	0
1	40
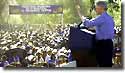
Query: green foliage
114	9
69	10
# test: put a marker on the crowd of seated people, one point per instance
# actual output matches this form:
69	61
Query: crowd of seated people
35	49
29	48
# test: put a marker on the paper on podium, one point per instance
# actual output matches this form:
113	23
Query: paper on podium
85	30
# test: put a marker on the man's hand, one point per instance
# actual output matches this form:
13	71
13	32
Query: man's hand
83	18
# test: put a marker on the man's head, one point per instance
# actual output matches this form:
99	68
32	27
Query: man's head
101	7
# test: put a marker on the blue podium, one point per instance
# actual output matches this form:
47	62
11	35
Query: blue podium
82	45
81	39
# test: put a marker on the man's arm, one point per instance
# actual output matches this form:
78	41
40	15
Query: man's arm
89	23
93	22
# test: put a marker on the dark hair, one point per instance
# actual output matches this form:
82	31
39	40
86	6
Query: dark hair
103	4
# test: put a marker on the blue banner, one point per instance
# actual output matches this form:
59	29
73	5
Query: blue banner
35	9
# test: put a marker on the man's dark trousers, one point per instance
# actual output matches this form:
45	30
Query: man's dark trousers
104	50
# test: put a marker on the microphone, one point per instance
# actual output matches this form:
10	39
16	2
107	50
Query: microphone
81	27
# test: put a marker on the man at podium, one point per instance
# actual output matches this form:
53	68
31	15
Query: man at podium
104	24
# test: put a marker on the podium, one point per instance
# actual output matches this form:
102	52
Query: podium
81	38
82	45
